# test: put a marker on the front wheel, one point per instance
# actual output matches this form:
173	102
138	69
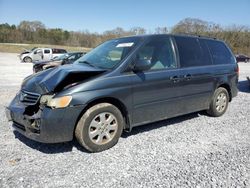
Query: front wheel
100	127
219	103
27	60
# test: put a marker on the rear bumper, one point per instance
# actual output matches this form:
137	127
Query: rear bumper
234	92
47	125
234	86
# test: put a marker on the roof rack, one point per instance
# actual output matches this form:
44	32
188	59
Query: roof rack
194	35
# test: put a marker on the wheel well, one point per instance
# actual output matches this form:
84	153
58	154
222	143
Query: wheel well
112	101
227	87
27	57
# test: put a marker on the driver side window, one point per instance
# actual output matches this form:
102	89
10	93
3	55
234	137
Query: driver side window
159	53
38	51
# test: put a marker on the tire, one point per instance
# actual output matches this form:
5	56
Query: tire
96	131
219	103
27	60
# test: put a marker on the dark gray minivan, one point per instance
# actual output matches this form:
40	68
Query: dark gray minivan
124	83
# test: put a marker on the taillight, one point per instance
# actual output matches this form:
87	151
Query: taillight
237	69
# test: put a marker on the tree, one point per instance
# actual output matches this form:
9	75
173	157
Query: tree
138	31
161	30
191	26
237	36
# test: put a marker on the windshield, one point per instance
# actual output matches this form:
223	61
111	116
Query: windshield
109	54
33	49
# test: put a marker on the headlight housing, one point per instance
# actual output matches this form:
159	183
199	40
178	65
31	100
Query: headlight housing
57	102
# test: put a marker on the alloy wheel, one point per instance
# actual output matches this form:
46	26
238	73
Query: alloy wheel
103	128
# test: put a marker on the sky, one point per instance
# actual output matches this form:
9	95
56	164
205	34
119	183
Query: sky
101	15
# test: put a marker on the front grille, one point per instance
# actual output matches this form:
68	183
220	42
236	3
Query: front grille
29	98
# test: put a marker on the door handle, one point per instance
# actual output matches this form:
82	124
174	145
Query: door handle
187	77
174	79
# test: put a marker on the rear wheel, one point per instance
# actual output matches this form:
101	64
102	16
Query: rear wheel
27	60
219	103
100	127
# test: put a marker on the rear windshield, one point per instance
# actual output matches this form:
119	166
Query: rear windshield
219	52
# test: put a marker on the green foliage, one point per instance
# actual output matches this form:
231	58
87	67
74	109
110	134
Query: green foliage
35	32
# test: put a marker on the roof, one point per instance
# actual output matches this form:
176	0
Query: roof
173	35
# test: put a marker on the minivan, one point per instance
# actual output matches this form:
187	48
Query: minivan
123	83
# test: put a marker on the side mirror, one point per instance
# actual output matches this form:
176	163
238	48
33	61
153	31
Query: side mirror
142	65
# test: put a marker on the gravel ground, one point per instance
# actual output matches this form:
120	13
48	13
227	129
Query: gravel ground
189	151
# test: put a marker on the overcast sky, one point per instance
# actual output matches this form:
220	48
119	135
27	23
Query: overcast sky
101	15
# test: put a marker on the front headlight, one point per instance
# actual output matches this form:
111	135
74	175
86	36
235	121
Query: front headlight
58	102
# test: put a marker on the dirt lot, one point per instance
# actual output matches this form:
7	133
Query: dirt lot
188	151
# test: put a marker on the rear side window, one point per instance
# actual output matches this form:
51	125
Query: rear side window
219	52
46	51
192	52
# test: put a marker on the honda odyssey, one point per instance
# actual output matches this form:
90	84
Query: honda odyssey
124	83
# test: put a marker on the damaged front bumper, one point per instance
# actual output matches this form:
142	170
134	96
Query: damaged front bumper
46	125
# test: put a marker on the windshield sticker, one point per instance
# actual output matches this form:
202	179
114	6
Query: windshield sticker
121	45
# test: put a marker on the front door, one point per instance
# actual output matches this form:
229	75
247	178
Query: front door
156	91
37	55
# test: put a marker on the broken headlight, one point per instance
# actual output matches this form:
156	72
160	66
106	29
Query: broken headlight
57	102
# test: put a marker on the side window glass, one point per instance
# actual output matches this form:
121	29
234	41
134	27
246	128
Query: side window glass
72	57
192	52
46	51
38	52
159	53
220	53
115	55
55	51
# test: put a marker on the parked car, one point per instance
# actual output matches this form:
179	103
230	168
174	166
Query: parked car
124	83
242	58
67	58
39	54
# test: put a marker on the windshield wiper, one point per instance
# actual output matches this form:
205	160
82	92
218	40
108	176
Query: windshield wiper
95	66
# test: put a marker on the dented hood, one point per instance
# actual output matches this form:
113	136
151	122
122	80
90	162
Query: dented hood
54	80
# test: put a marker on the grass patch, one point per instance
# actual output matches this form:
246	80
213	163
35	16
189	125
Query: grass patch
18	48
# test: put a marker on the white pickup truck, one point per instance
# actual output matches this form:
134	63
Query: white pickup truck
41	54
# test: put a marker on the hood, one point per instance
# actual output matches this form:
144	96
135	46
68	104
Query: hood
25	52
55	79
